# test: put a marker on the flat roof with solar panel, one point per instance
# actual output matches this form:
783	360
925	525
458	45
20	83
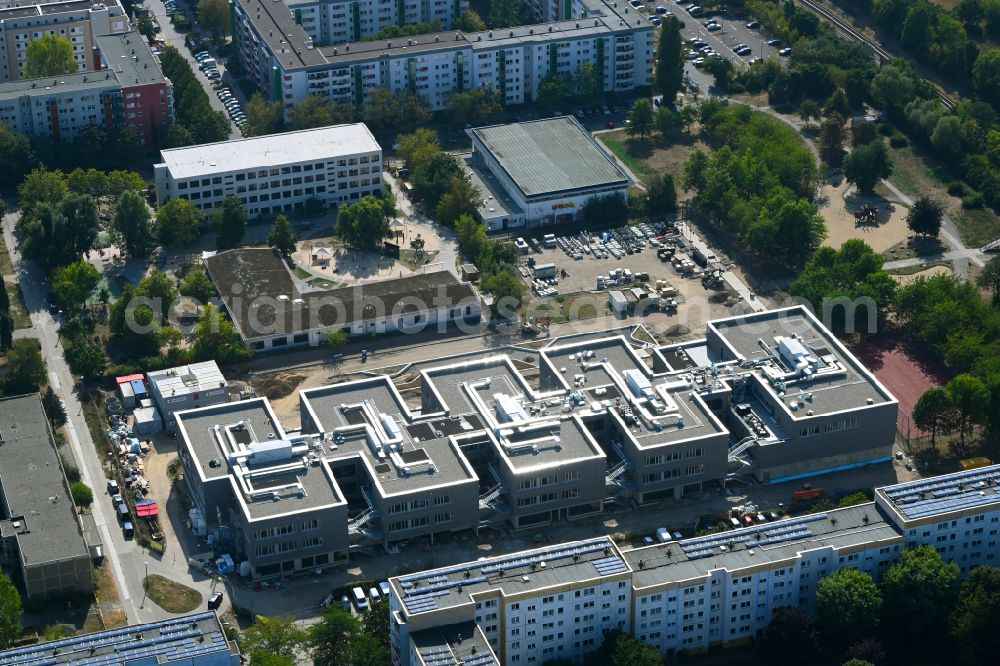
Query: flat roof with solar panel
766	544
530	570
928	500
190	640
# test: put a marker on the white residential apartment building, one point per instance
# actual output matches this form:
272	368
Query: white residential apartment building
688	595
285	61
342	21
275	173
79	21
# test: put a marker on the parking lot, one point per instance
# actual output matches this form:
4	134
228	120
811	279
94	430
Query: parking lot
684	290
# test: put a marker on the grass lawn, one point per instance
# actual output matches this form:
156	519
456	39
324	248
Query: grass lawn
648	157
978	227
171	596
620	146
18	311
6	265
916	173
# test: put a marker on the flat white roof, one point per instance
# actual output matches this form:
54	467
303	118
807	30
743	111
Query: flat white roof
321	143
185	379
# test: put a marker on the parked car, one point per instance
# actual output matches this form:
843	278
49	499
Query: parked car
215	600
122	511
374	594
661	10
712	27
774	42
385	588
360	600
128	530
112	487
753	25
655	20
785	52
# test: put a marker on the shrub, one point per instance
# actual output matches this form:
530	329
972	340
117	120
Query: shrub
972	201
957	188
898	140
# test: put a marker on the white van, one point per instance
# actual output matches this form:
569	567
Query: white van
360	600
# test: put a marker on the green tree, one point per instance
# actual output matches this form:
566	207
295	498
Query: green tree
317	111
178	222
477	106
335	339
620	649
16	154
159	288
503	14
791	637
417	149
668	122
82	224
146	27
831	140
331	637
977	609
26	369
471	235
918	28
281	236
866	165
507	291
989	278
213	15
846	276
925	217
662	196
853	500
432	179
863	133
83	496
134	326
49	55
971	399
10	613
6	319
197	285
73	284
470	21
837	103
40	186
400	111
809	110
363	224
264	117
460	199
375	623
919	592
130	225
230	223
640	118
55	411
847	604
986	77
668	77
121	181
278	636
857	662
215	337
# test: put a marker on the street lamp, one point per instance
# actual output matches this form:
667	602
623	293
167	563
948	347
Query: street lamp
145	583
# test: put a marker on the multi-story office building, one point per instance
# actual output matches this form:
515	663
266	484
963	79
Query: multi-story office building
488	446
540	172
79	21
722	589
41	536
275	173
343	21
286	62
127	91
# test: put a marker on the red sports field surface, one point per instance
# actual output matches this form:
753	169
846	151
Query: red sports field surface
903	368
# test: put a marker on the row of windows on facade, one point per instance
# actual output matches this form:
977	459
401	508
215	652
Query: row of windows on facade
288	546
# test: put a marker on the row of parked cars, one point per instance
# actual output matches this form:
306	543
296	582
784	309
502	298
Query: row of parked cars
208	66
233	107
358	599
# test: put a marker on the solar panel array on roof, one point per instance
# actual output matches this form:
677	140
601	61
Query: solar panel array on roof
438	657
927	497
420	604
480	659
610	565
758	535
179	639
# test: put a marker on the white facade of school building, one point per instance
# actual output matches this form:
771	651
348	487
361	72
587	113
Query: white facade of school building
275	173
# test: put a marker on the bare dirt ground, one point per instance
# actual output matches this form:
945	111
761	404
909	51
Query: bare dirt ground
839	201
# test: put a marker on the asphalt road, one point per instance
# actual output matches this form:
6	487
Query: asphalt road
176	39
